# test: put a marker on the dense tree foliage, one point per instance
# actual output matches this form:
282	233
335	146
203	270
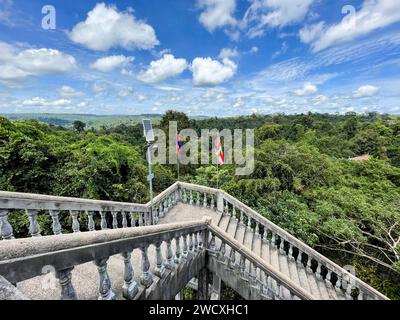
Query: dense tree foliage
303	180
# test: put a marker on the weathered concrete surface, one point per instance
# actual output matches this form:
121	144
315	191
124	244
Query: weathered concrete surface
9	292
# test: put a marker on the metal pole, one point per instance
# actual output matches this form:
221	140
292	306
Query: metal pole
150	179
178	164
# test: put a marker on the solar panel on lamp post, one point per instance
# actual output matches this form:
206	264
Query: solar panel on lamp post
149	135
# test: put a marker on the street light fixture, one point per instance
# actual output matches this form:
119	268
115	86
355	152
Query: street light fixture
149	135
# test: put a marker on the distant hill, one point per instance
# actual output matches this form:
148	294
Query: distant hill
91	120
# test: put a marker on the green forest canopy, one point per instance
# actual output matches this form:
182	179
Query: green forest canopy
303	178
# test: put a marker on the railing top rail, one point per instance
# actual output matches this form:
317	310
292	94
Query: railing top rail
16	200
260	263
22	259
163	194
199	188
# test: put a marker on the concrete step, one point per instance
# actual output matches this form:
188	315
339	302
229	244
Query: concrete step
312	282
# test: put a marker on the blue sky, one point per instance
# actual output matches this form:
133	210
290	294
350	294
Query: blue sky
203	57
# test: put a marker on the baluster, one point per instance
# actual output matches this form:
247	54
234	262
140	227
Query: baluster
103	222
282	246
222	251
6	230
265	234
195	242
91	226
338	283
273	239
349	290
55	214
232	259
299	259
198	199
133	220
241	217
155	215
291	258
105	290
205	200
185	248
191	197
242	264
165	205
234	213
160	269
124	221
227	209
67	289
75	223
212	206
184	196
170	256
248	222
360	295
140	219
190	244
170	202
34	228
114	219
146	278
318	273
212	243
178	253
328	278
309	264
201	244
129	288
161	212
257	230
252	274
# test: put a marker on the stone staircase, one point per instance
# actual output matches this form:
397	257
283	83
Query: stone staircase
256	258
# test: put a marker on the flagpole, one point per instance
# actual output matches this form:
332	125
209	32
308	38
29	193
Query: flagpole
178	164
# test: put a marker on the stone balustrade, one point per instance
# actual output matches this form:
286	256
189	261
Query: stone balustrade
23	259
122	215
259	274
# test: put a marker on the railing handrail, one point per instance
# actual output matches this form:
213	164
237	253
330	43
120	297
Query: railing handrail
17	200
260	263
22	259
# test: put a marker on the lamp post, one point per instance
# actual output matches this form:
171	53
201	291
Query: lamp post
149	135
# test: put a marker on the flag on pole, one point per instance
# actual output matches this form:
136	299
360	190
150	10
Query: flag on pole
179	144
218	151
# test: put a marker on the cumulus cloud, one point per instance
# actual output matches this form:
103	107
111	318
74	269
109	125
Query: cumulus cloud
365	91
41	102
217	13
228	53
209	72
18	64
69	92
373	15
105	27
273	14
307	90
166	67
110	63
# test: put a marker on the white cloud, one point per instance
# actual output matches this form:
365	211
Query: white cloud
273	14
110	63
217	13
166	67
68	92
209	72
125	92
105	27
41	102
6	12
228	53
100	87
307	90
373	15
19	64
365	91
282	50
254	50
